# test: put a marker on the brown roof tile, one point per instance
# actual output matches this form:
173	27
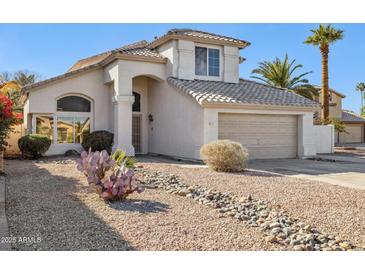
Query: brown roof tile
245	92
351	117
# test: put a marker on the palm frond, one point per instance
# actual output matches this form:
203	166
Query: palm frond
280	73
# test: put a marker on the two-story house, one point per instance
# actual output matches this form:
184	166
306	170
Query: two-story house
170	96
354	124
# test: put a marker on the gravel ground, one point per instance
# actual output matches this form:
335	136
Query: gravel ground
51	202
332	209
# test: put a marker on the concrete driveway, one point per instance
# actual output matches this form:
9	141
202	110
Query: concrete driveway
343	173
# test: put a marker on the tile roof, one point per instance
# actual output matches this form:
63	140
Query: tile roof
136	49
201	35
245	92
351	117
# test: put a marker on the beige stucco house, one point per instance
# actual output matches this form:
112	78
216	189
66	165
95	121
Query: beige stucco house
354	124
170	96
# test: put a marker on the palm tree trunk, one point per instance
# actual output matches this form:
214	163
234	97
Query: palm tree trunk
325	87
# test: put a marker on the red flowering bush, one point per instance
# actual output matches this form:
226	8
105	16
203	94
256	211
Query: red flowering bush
7	119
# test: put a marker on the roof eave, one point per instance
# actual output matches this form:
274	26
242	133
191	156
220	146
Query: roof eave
168	37
353	122
121	56
258	106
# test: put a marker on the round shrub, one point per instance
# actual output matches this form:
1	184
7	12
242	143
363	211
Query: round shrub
99	140
34	145
224	155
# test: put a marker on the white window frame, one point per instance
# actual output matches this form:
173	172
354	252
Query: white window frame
207	76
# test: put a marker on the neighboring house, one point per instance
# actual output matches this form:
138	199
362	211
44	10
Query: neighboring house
170	97
354	124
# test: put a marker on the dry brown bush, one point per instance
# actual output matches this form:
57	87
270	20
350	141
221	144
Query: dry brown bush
224	155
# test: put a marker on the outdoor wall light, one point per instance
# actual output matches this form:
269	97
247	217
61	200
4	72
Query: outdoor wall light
150	118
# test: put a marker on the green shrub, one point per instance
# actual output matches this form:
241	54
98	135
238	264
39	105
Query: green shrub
224	155
98	141
34	145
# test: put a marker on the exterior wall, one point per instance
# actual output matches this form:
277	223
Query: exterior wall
43	100
354	134
185	60
336	109
306	141
324	138
169	50
231	64
181	61
90	84
177	122
26	121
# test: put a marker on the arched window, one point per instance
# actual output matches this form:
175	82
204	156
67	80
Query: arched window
137	102
73	104
73	119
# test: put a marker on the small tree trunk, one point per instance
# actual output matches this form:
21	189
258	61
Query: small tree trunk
2	162
325	87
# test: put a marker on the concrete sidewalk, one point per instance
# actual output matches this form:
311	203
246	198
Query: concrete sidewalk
4	230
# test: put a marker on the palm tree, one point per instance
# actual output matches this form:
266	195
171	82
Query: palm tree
323	37
280	74
361	87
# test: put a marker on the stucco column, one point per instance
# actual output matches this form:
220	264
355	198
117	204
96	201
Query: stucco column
123	123
306	138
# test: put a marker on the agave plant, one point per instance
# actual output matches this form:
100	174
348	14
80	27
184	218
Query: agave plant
112	182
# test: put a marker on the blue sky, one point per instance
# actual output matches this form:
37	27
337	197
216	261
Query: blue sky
50	49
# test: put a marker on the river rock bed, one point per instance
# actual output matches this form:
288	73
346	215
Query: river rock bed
276	226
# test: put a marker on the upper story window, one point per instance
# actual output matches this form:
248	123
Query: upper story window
206	61
73	104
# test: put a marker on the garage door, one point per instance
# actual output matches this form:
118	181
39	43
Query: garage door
354	134
265	136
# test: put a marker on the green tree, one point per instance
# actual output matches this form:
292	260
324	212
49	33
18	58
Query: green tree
14	83
362	112
280	73
361	88
323	37
24	77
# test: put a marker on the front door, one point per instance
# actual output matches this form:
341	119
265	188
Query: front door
136	133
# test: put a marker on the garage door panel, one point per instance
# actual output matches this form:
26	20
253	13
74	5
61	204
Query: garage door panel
265	136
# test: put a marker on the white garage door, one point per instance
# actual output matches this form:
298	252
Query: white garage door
353	135
265	136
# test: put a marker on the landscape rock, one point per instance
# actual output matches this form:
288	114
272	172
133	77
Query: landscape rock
277	225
